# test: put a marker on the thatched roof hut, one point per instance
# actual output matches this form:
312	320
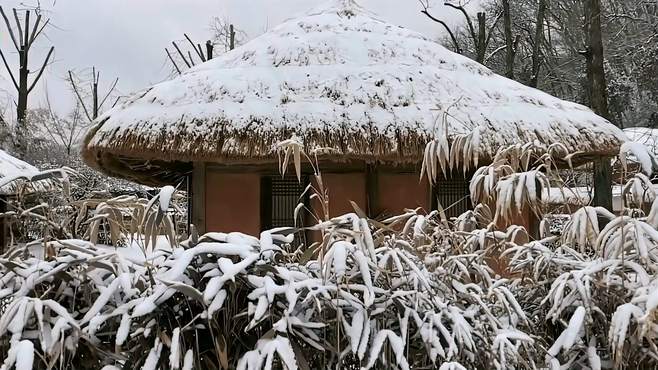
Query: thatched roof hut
338	77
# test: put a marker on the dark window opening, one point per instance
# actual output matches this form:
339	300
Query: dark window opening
279	198
453	195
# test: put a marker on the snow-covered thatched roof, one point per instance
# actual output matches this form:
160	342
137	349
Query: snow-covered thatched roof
12	168
341	78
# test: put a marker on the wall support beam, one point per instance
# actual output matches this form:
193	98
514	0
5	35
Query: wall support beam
199	197
602	183
372	191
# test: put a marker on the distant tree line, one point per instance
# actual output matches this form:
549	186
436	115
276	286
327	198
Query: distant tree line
555	45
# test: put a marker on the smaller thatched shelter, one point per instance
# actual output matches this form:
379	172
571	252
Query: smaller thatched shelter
338	77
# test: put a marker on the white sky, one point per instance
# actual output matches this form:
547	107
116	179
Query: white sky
126	38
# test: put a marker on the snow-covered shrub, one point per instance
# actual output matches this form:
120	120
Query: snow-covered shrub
639	191
413	291
355	299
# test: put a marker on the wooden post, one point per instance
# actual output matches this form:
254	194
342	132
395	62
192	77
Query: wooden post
231	37
482	37
602	183
209	50
372	191
199	197
266	203
534	223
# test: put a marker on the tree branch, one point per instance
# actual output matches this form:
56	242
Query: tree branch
491	29
447	28
27	29
114	85
493	53
77	93
43	67
469	22
20	28
35	35
13	79
9	28
34	30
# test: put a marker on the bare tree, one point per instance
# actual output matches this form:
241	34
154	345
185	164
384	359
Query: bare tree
537	42
598	96
552	44
511	43
23	38
225	35
65	131
480	36
426	10
594	56
92	109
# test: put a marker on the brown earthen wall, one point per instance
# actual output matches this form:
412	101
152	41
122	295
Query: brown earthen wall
399	191
233	202
343	188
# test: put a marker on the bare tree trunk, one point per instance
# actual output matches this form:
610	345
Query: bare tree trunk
481	45
596	81
94	94
23	73
20	143
536	47
596	86
509	41
92	112
232	36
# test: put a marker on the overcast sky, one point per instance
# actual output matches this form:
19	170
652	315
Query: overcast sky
126	38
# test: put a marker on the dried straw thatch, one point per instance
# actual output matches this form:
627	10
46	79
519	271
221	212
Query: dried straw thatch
337	78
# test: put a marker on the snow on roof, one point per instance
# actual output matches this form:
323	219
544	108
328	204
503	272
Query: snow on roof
341	78
13	168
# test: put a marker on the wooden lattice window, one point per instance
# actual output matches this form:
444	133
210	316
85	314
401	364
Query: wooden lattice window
279	198
453	195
